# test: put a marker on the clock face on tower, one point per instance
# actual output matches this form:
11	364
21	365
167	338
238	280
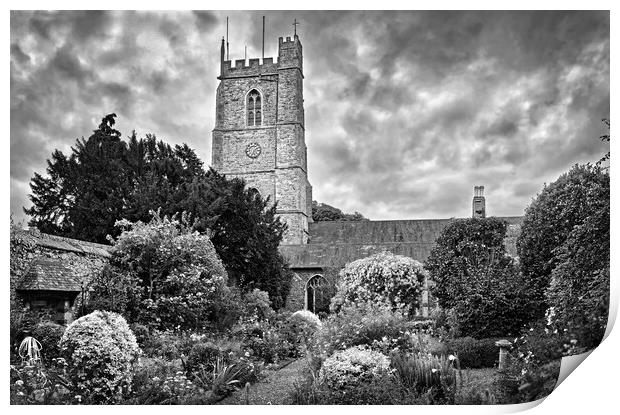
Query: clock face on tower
253	150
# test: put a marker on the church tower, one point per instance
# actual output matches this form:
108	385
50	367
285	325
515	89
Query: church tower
259	132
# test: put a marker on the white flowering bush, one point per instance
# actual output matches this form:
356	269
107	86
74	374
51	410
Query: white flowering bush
306	317
353	367
385	278
100	350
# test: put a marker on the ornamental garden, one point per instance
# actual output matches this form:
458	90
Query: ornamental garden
189	306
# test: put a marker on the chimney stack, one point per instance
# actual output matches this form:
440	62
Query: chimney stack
478	203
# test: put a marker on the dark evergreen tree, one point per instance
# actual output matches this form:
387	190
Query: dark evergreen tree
106	179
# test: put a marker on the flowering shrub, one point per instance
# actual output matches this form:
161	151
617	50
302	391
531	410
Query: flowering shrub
376	326
353	367
264	339
308	318
100	350
382	278
158	381
167	276
256	302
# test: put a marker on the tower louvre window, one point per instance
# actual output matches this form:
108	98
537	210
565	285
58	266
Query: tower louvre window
254	109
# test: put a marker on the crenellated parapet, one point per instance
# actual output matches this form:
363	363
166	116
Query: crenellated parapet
289	57
253	68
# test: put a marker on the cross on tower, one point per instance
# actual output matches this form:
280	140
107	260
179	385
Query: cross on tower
295	23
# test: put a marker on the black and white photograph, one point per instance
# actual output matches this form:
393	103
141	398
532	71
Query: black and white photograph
306	207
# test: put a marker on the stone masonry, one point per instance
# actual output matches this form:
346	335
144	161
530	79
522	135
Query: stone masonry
269	155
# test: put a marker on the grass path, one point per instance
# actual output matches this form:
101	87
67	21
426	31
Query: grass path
272	390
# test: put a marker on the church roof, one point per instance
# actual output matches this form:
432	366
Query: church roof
333	244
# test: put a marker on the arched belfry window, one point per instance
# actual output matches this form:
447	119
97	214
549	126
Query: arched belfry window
254	108
318	294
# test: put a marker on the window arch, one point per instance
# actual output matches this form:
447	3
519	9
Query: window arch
254	108
253	191
318	294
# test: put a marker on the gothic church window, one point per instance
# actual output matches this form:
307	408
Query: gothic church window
318	294
254	109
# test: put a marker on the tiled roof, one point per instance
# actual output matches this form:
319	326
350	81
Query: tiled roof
50	274
334	244
68	244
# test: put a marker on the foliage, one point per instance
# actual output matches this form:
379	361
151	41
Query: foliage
205	354
100	351
266	339
477	281
435	377
385	278
473	353
322	212
578	293
549	221
306	318
112	289
246	233
257	303
100	182
163	274
49	334
353	367
36	385
161	382
376	326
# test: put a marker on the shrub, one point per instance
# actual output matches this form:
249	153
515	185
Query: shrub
472	353
478	281
265	340
100	351
364	324
549	221
308	318
384	278
579	289
177	274
353	367
256	302
49	334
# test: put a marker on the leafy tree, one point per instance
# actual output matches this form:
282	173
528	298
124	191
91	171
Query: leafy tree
551	218
579	288
475	278
245	231
163	274
323	212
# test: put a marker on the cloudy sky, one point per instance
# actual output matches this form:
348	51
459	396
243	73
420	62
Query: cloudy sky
405	111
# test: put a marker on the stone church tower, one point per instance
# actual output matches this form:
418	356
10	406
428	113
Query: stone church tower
259	132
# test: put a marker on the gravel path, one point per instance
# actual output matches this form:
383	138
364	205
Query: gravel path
273	390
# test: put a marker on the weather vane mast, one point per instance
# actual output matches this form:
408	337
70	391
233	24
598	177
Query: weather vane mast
295	23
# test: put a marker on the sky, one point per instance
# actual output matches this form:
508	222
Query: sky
405	111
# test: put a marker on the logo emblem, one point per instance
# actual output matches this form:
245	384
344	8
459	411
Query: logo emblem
253	150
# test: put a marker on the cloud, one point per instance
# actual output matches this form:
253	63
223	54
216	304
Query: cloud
405	111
